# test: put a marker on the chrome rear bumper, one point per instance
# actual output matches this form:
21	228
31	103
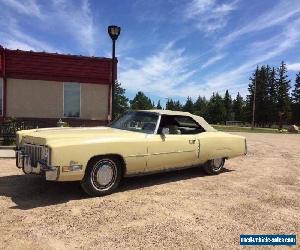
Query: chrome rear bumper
23	161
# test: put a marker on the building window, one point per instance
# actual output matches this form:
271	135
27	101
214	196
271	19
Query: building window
1	96
71	99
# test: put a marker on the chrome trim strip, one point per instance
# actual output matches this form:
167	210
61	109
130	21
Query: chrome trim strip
162	153
141	155
174	152
157	125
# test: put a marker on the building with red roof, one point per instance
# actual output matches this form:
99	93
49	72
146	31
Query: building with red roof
44	87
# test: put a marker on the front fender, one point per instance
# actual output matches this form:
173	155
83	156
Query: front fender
81	153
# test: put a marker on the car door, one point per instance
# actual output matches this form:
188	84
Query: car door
175	149
171	151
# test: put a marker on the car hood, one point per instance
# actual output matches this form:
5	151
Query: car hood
82	134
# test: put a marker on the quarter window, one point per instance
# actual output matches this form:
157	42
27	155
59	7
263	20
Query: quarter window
179	125
71	99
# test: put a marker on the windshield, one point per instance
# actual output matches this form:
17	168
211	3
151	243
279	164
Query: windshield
144	122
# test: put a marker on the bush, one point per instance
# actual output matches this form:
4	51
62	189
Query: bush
8	131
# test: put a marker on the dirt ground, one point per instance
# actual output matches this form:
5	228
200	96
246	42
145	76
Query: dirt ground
256	194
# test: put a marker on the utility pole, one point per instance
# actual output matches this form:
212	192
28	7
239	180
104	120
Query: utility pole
167	100
254	101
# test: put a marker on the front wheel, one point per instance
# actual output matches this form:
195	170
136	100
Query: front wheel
214	166
102	176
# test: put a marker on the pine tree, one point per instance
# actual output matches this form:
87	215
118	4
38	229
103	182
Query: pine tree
120	101
158	106
189	105
296	100
262	96
170	104
283	87
228	106
141	101
272	109
238	108
215	109
178	106
260	79
296	90
250	96
200	106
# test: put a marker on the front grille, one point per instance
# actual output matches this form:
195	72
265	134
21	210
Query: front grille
34	152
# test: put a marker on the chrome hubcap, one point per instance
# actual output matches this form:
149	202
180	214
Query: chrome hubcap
105	175
218	164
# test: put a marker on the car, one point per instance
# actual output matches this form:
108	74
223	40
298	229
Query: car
138	143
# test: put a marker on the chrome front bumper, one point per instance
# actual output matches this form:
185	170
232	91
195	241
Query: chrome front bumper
23	161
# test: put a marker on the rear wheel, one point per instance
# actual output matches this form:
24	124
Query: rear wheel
102	176
214	166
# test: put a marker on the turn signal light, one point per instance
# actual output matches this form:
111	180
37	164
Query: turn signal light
72	168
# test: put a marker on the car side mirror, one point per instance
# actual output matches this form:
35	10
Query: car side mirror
164	132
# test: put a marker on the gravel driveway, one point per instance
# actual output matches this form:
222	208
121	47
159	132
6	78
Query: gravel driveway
256	194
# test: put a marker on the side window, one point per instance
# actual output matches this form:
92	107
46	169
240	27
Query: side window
179	125
167	121
186	121
188	125
71	99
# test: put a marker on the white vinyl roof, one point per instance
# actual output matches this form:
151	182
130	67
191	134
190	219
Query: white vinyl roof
198	119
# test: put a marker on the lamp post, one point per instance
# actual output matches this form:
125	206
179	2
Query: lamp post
114	32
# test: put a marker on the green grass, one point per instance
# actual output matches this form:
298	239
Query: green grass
248	129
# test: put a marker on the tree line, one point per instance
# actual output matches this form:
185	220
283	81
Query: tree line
275	103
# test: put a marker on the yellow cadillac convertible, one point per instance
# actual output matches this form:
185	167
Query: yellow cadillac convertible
140	142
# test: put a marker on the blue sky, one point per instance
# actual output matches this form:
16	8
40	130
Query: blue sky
167	48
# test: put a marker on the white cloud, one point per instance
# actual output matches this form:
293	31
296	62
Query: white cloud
276	16
198	7
293	66
77	20
160	73
167	73
14	44
62	17
213	60
234	79
208	14
28	7
14	38
27	43
224	8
